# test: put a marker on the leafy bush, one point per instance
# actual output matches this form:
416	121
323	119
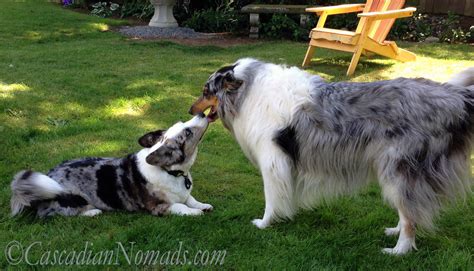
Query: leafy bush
211	21
281	26
141	9
470	38
453	31
342	21
420	26
222	19
417	28
104	9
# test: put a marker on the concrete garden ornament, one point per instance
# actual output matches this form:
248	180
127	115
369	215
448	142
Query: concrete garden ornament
163	16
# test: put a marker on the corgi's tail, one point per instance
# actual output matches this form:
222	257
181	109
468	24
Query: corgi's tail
29	186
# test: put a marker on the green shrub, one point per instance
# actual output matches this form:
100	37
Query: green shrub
104	9
417	28
470	37
281	26
211	21
222	19
186	9
420	26
141	9
453	32
342	21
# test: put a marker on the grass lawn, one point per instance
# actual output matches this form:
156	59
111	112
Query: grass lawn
70	89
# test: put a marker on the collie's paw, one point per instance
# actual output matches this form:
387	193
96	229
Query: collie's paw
395	251
207	207
399	249
92	212
193	212
260	223
392	231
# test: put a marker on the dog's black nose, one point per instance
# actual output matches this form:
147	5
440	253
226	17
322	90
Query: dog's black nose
190	111
201	115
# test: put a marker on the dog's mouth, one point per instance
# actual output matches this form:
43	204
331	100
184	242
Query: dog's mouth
206	105
212	114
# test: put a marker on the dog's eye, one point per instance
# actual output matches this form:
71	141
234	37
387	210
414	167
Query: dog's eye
188	132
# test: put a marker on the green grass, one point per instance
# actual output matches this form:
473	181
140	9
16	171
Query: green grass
69	89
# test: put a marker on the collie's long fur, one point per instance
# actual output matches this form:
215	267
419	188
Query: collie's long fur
313	139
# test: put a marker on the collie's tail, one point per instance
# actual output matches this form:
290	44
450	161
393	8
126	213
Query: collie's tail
464	78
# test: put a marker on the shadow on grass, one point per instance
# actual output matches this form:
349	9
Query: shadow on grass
335	67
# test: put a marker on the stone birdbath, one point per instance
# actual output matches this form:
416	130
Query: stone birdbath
163	16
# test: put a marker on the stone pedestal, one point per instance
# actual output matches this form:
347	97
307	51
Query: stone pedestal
163	16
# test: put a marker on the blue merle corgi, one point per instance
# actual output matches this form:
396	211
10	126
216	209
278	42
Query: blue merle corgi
156	179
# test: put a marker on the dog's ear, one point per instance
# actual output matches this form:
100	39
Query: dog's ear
166	156
230	83
151	138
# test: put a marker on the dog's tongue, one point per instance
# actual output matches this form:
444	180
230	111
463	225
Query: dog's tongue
212	117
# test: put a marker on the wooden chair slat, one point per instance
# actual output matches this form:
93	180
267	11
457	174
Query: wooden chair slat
368	6
380	7
377	5
385	25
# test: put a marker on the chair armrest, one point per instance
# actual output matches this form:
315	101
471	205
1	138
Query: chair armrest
391	14
339	9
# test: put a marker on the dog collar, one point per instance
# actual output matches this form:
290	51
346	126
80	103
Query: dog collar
179	173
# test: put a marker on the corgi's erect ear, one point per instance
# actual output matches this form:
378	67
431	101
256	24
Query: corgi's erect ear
151	138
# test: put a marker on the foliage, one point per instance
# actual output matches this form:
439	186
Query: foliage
417	28
141	9
342	21
191	5
281	26
222	19
471	34
452	32
104	9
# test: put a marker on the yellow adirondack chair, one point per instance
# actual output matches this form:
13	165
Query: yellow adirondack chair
376	19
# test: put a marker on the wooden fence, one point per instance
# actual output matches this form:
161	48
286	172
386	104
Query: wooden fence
461	7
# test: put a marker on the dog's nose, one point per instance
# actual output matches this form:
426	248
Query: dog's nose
201	115
190	111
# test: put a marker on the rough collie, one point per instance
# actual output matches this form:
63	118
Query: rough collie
313	139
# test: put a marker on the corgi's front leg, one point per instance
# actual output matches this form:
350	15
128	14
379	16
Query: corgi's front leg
182	209
193	203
